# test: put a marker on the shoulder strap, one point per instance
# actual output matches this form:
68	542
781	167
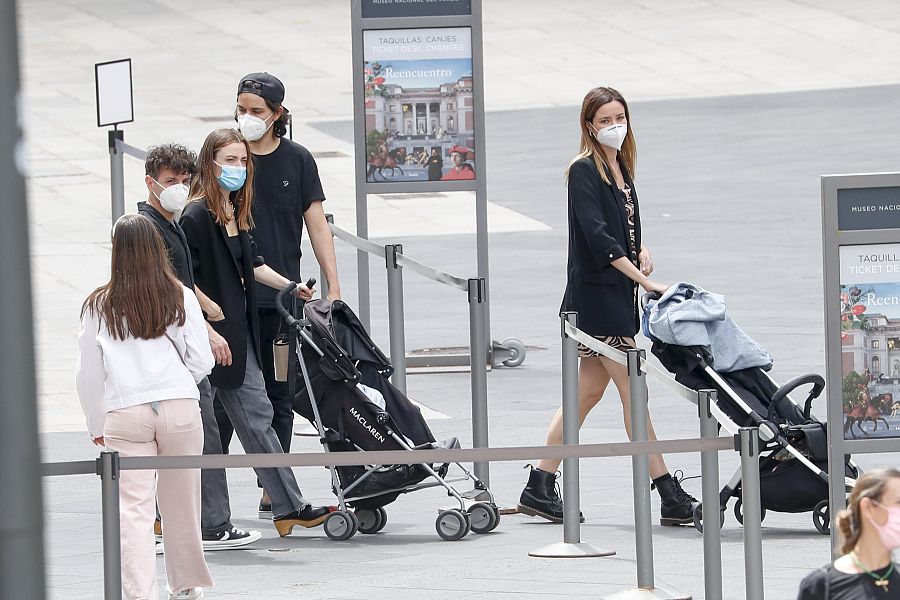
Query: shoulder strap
176	348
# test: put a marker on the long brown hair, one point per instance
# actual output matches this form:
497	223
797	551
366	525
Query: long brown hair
849	521
590	147
205	186
143	296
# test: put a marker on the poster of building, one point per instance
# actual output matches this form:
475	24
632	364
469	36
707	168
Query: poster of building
870	340
419	105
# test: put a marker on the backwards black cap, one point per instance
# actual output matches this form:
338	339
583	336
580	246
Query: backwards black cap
262	84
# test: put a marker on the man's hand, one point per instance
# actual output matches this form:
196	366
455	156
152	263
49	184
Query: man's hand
334	294
219	347
98	441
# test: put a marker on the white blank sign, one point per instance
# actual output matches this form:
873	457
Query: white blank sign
114	94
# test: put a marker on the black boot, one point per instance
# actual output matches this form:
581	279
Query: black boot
677	507
540	498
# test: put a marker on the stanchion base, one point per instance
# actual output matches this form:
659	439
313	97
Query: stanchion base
565	550
649	594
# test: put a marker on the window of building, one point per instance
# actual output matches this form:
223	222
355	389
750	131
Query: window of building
876	344
449	106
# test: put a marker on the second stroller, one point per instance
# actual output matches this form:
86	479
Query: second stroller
345	393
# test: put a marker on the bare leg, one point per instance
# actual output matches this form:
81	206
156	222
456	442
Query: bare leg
619	374
592	381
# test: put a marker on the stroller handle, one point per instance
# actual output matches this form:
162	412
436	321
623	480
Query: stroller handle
817	382
279	299
648	298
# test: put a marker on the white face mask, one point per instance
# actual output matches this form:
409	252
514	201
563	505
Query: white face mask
173	198
612	136
253	128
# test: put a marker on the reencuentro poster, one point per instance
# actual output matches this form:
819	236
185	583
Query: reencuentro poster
870	340
419	104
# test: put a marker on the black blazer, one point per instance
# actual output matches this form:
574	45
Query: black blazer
603	296
217	276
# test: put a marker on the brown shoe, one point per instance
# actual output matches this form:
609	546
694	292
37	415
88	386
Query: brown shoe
309	516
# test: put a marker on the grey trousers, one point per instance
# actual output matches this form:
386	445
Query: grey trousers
250	412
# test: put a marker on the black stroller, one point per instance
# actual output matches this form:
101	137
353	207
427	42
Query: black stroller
345	393
794	459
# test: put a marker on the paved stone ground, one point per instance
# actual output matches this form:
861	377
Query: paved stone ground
737	110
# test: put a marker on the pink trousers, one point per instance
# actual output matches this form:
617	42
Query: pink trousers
139	431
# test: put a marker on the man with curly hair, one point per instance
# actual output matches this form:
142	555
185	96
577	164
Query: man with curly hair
168	169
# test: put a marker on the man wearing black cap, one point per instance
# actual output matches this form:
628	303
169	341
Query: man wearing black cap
287	192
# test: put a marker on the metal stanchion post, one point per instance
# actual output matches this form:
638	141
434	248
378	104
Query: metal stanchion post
323	281
116	175
21	496
640	477
571	546
478	363
395	315
640	470
753	564
108	470
712	527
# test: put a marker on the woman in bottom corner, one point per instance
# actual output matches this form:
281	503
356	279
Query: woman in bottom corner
142	349
870	532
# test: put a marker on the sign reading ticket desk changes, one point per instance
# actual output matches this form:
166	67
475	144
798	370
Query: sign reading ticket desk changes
861	266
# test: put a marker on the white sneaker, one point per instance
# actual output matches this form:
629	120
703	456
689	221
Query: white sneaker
159	548
191	594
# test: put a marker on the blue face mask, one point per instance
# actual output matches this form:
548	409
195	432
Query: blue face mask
232	177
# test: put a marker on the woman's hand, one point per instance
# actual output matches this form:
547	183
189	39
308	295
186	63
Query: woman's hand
304	293
646	261
98	441
652	286
219	346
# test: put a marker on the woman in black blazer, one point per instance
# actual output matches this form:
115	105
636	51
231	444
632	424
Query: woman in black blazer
216	224
607	263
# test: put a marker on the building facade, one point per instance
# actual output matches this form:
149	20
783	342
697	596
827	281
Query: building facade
444	115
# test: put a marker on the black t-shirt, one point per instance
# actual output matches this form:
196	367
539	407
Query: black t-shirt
285	183
844	586
176	243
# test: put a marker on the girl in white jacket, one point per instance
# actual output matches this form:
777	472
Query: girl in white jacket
142	349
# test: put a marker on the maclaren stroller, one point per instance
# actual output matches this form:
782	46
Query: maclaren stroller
794	445
346	394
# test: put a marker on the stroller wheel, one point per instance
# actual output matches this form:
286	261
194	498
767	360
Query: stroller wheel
821	517
483	517
739	512
371	520
341	525
452	524
698	517
517	351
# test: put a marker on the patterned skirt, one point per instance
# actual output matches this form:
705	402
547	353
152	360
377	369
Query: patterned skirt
623	344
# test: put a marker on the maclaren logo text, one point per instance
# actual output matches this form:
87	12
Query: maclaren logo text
362	421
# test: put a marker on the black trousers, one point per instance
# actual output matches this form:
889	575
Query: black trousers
270	325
